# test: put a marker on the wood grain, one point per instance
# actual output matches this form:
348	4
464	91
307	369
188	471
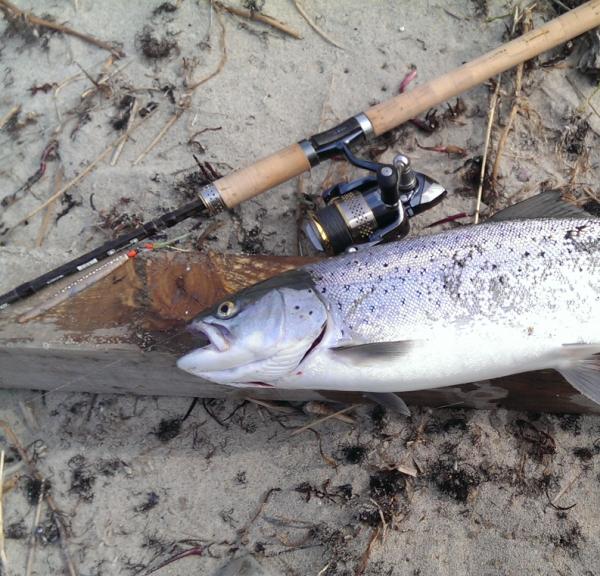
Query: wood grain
125	333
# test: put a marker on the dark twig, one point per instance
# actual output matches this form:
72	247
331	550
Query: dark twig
260	17
12	12
189	410
243	532
556	507
56	514
212	414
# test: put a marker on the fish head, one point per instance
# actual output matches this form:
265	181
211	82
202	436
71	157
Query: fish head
260	334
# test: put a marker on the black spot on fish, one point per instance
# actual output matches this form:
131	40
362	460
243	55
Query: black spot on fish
323	290
296	307
385	264
310	312
526	254
573	233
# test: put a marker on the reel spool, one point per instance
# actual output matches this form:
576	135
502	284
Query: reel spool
373	209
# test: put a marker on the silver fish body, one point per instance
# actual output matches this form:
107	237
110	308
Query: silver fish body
470	304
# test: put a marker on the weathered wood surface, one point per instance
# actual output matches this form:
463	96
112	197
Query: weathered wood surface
124	333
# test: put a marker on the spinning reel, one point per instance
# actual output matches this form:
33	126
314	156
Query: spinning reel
372	209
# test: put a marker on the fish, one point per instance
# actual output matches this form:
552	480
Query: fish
517	293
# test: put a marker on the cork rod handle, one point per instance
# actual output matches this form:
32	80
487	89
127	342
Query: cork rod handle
292	161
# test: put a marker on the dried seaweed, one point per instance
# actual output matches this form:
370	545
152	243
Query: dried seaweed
82	479
536	442
354	454
454	479
168	429
35	489
164	8
154	47
16	531
151	501
574	133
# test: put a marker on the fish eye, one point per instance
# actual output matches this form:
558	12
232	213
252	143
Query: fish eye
227	309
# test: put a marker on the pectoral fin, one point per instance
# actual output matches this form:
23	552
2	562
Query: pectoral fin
390	401
364	354
584	376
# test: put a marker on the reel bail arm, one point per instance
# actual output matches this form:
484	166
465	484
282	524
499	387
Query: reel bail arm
372	209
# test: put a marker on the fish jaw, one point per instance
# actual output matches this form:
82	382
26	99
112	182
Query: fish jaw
220	353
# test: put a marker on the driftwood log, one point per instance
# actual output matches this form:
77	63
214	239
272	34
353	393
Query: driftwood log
124	333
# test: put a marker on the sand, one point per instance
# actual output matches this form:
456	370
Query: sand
461	492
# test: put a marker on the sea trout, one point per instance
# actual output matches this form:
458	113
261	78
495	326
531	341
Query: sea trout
474	303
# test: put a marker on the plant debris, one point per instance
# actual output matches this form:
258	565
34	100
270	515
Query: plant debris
570	539
354	454
148	109
121	120
584	454
82	480
119	222
112	466
570	423
454	480
16	531
450	149
36	489
385	483
378	418
168	429
574	135
69	203
49	154
33	27
165	8
153	47
28	33
45	88
536	442
337	494
151	501
189	185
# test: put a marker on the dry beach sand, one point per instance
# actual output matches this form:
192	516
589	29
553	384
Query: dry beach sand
448	491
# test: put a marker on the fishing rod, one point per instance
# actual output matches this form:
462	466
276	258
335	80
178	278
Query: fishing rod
373	209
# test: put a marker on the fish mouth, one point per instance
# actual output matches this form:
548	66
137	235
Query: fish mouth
219	338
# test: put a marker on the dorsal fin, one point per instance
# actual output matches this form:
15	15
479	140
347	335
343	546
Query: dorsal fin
545	205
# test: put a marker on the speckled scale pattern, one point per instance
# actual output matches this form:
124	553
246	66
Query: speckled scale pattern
506	272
